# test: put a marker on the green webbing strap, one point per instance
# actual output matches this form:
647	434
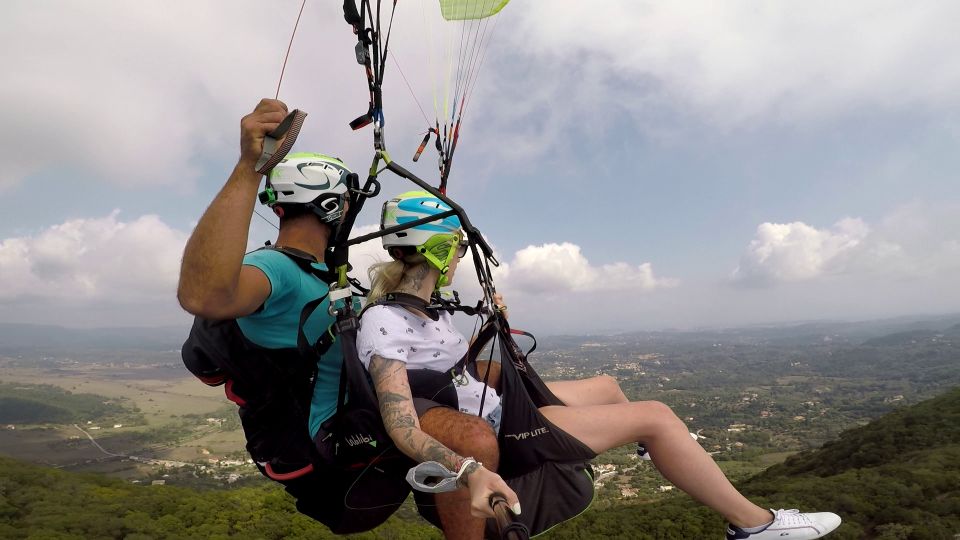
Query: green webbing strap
274	150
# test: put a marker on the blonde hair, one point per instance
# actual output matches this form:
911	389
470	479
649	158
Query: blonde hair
385	277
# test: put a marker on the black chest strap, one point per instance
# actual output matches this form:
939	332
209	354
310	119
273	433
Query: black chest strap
305	261
431	310
405	300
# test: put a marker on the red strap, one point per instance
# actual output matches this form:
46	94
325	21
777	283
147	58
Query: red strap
290	475
228	390
214	380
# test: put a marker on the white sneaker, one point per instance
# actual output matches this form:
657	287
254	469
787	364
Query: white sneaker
642	451
790	525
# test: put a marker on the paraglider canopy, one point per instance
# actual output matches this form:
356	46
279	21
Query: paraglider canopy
455	48
458	10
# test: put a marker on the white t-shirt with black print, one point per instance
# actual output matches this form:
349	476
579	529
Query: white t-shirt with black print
394	333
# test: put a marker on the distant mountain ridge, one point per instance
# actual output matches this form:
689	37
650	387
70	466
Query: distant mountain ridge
17	338
912	336
799	333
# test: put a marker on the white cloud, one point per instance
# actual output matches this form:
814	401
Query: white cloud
138	93
108	271
726	64
925	238
534	270
740	59
126	91
915	241
94	260
365	255
796	251
562	268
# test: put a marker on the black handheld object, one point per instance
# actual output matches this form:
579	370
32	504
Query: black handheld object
508	525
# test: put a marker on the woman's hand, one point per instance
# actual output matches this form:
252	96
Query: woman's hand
500	305
482	484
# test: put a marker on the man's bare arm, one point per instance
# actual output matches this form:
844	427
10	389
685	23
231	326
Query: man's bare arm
213	282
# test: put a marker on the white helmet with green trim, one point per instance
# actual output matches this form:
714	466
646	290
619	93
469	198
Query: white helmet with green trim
314	180
437	241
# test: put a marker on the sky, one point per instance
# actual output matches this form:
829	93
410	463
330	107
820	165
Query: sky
647	165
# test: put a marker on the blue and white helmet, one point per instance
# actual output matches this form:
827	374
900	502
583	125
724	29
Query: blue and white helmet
411	206
317	181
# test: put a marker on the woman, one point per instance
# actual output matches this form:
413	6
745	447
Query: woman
394	339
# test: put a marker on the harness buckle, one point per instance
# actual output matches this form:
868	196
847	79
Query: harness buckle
347	325
336	294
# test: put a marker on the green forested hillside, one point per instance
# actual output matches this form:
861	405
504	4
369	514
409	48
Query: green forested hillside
895	478
44	403
43	503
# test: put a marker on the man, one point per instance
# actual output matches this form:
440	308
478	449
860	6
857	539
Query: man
266	290
249	308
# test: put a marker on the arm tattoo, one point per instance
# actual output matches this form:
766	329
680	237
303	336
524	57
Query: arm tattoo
400	417
467	471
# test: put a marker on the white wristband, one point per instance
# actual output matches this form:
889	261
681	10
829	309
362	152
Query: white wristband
463	467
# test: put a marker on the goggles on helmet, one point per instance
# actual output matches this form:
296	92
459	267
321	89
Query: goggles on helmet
439	250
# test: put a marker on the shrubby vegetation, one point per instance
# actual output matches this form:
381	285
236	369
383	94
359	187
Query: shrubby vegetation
895	478
38	502
47	404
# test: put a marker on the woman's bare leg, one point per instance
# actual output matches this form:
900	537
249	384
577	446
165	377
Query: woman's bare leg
679	458
599	390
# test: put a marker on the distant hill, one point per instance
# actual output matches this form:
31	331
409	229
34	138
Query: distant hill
36	342
911	337
902	338
42	404
792	334
33	340
897	477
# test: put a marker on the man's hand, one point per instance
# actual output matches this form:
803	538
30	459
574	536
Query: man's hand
254	127
482	484
213	281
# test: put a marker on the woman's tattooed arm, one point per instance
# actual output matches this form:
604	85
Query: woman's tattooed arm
400	417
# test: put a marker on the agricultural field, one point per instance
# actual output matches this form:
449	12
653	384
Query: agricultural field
156	414
753	397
